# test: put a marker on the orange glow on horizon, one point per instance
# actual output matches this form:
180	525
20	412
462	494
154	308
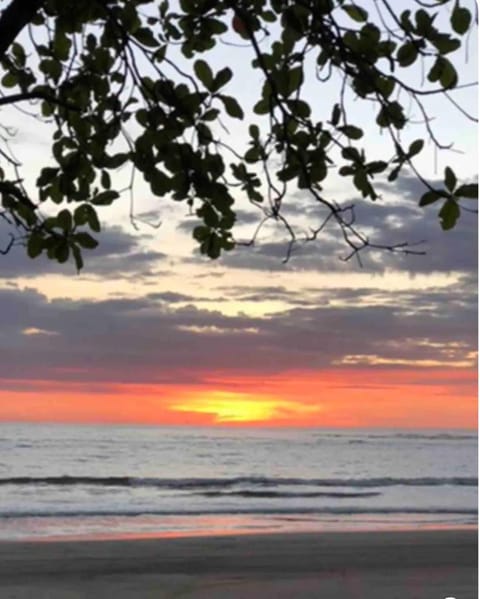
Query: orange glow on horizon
229	407
358	398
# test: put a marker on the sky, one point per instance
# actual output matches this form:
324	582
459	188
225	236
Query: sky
153	333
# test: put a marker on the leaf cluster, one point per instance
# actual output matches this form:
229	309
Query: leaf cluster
106	75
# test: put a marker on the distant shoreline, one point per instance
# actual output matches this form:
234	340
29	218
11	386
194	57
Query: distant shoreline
251	426
429	564
165	535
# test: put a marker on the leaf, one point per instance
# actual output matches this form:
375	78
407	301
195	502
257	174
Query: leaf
64	220
252	154
385	86
361	183
460	19
232	107
406	22
424	22
145	36
299	108
407	54
62	251
435	71
201	232
85	240
77	256
469	190
221	78
377	166
345	171
295	78
52	68
93	221
336	114
371	34
212	246
47	175
449	214
268	16
240	27
391	114
105	198
288	173
86	214
430	197
450	179
116	160
446	44
448	77
61	45
351	131
9	80
203	72
26	212
355	12
318	171
204	134
210	216
352	154
34	245
19	52
254	131
105	180
160	182
211	114
415	147
393	175
261	107
217	27
443	71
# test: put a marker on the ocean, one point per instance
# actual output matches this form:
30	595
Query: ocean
69	481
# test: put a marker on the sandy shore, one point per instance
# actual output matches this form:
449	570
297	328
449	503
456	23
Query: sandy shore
376	565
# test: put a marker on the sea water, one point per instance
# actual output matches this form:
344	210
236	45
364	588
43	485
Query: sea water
108	481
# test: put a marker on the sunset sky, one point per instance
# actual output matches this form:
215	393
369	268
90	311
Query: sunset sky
151	332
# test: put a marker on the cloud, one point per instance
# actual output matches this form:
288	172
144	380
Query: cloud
394	220
169	297
273	293
151	339
37	331
118	252
166	336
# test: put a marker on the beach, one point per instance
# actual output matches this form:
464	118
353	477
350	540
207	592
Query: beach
427	564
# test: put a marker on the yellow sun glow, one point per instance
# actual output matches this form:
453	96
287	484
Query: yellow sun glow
226	406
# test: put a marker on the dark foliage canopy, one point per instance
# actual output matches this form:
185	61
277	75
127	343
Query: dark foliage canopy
129	84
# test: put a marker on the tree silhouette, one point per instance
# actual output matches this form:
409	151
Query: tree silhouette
130	84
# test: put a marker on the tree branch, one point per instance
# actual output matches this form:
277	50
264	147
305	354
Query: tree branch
4	251
14	98
14	18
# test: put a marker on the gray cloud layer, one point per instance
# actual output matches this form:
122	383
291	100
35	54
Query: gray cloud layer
118	252
393	220
154	339
163	337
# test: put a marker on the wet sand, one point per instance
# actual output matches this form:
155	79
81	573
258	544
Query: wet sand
374	565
